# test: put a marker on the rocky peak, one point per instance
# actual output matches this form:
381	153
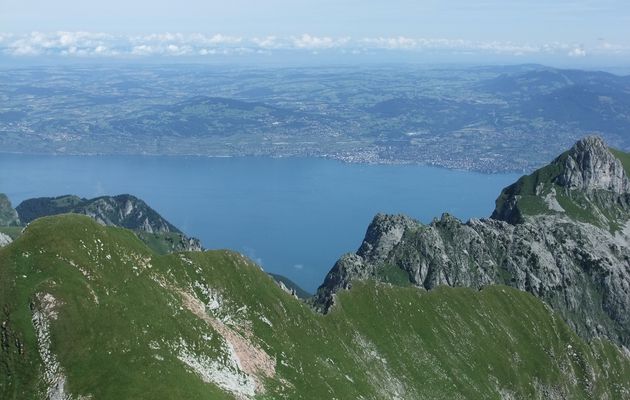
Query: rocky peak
589	165
586	183
384	232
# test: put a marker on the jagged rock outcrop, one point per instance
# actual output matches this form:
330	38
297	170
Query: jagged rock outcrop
189	243
284	287
590	166
290	287
8	215
578	265
4	239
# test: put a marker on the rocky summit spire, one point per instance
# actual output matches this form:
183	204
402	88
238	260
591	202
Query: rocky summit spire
588	182
589	165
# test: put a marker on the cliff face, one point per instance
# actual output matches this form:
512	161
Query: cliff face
561	234
590	166
8	216
5	239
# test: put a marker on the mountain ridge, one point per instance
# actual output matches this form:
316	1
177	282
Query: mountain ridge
575	257
123	210
95	314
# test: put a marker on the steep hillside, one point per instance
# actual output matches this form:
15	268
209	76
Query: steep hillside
561	234
93	313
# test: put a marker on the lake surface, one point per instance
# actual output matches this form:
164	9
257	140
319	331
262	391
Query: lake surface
293	216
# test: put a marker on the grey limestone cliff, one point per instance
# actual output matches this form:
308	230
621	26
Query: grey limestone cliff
5	239
8	215
562	234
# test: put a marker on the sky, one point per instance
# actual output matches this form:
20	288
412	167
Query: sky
569	31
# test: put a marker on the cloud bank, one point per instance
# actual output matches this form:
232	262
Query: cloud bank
98	44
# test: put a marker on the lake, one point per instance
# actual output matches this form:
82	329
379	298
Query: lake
294	216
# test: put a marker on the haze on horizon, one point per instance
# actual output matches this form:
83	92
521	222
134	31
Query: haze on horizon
563	32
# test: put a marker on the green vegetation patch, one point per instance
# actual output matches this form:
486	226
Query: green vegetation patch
623	157
12	231
392	274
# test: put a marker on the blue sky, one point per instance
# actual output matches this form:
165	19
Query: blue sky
525	31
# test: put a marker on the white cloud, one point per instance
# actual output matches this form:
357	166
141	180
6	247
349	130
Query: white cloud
309	42
392	43
95	44
142	50
169	38
268	42
611	48
577	52
450	45
222	39
4	37
62	43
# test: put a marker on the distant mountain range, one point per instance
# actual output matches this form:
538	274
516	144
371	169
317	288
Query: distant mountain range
488	119
530	303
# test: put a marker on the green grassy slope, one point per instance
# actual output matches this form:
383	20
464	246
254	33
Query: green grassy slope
529	202
12	231
127	323
623	157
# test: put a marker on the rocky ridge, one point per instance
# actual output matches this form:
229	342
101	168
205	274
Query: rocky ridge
124	211
561	234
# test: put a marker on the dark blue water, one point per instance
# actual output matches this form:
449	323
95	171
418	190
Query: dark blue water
293	216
